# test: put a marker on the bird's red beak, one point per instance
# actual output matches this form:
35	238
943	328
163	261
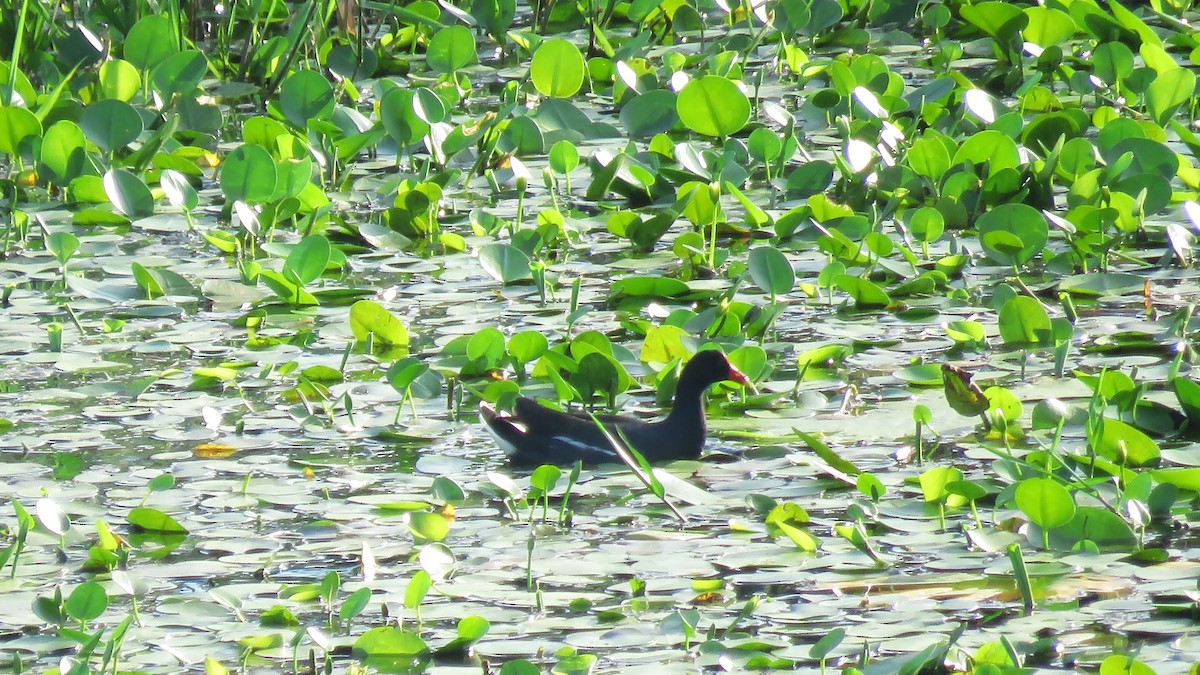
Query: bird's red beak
736	375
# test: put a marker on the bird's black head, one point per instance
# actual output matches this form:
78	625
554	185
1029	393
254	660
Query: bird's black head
709	367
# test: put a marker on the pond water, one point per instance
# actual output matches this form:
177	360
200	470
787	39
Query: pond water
233	467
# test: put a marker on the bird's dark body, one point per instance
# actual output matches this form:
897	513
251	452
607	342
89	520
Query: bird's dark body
535	434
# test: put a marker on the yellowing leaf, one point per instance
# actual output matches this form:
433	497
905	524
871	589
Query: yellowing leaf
213	450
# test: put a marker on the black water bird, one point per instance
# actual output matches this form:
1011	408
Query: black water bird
534	434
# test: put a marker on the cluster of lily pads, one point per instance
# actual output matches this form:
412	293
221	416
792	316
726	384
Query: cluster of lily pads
263	258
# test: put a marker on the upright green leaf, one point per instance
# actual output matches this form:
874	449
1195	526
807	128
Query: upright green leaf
368	317
452	48
110	124
307	260
1048	27
119	79
713	106
650	113
62	245
1169	91
1013	234
557	68
16	124
399	117
505	263
771	271
180	73
149	42
87	601
306	95
1024	321
64	151
249	175
1047	503
128	194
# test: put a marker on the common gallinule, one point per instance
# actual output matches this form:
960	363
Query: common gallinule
535	434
